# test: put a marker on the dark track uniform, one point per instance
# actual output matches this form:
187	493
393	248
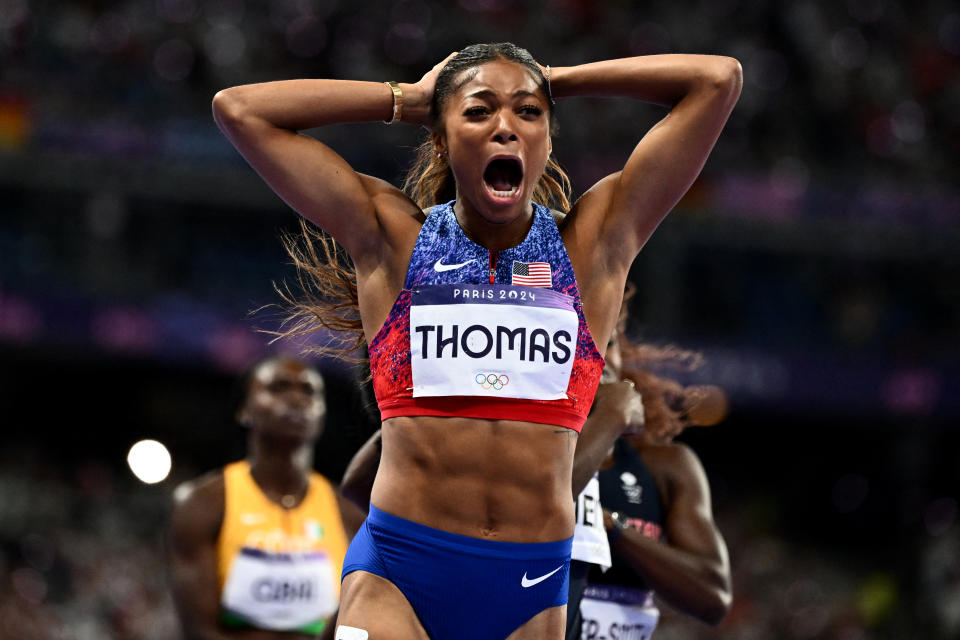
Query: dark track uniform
617	603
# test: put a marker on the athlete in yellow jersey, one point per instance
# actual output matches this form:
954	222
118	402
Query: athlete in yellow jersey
257	547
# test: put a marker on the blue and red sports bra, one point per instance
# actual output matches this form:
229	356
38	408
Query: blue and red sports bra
485	334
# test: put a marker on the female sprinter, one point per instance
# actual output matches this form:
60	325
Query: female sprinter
483	344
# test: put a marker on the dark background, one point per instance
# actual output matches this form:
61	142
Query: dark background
814	264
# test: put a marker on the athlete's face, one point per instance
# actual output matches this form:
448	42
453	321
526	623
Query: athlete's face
285	399
496	134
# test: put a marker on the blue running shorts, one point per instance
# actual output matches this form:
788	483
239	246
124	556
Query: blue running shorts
462	588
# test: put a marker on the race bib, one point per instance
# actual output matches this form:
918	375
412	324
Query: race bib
590	542
492	340
617	613
280	591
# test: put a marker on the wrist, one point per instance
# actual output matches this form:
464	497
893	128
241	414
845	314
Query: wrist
396	107
416	106
555	80
618	524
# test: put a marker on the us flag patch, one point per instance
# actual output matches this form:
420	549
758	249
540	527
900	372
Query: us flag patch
532	274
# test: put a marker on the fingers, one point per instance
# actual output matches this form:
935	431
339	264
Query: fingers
419	107
636	417
624	389
430	77
440	65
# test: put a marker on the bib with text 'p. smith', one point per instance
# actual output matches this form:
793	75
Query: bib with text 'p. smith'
618	612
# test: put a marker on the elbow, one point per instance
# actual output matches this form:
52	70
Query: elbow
228	109
726	77
715	596
718	607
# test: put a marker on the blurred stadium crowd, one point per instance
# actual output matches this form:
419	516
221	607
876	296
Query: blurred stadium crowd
814	264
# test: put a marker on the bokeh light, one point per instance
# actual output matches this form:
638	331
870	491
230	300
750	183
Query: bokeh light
849	48
149	461
225	45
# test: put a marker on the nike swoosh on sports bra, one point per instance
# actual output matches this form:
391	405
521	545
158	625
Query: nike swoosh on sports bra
484	334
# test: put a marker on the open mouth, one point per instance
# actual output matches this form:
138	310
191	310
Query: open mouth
503	177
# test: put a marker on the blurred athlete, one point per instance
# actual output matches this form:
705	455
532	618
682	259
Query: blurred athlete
656	512
483	310
257	547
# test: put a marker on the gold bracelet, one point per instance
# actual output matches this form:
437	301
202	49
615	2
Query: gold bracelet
397	102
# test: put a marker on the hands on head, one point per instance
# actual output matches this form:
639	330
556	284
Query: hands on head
418	102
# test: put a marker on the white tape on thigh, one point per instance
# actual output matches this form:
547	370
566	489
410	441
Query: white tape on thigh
351	633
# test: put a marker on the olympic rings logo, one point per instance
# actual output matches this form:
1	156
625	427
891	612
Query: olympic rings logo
492	381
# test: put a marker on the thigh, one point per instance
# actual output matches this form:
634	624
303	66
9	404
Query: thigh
377	606
549	624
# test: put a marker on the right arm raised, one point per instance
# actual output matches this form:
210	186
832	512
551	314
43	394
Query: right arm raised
263	120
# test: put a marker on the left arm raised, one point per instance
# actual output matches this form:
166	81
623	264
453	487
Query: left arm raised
623	209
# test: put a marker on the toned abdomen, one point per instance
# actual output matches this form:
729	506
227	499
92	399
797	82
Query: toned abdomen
494	479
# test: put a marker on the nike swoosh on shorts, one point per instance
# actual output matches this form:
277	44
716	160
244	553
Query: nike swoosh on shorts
524	582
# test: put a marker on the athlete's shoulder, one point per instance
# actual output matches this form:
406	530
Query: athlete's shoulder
197	513
668	457
204	490
674	466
